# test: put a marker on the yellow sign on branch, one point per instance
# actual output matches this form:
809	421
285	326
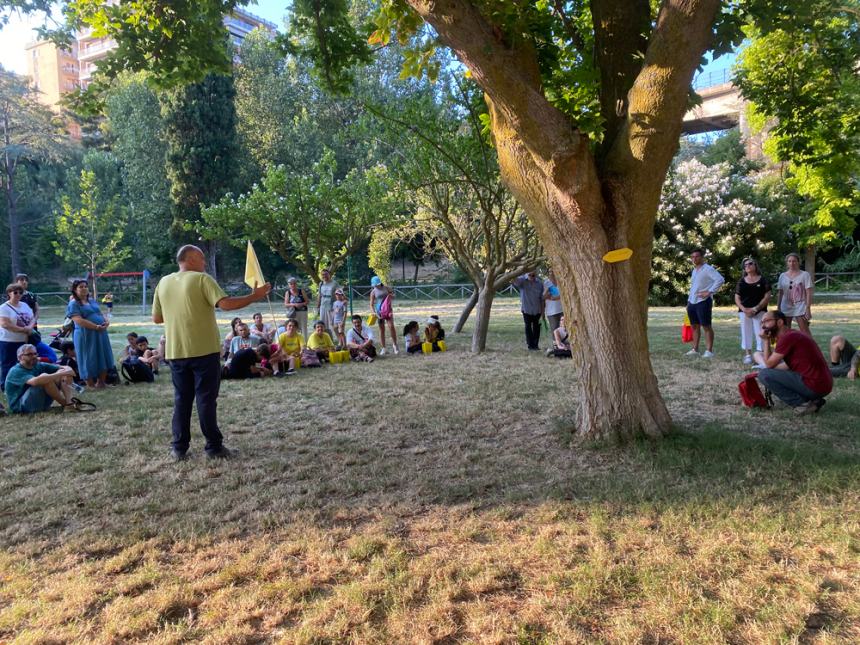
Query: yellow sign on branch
253	273
618	255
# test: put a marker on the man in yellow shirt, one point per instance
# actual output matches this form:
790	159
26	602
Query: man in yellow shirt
320	341
185	303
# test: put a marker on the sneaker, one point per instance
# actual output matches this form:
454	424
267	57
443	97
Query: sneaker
708	354
748	360
178	455
396	350
382	352
222	453
79	389
807	408
692	352
820	404
290	372
279	374
549	351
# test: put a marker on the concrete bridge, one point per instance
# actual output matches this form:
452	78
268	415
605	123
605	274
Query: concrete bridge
722	108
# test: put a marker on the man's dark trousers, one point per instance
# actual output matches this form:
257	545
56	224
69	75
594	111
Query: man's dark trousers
532	330
200	378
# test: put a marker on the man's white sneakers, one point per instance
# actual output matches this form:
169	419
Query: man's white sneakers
382	351
692	352
708	354
748	360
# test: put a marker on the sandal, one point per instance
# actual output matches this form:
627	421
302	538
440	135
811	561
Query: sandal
81	406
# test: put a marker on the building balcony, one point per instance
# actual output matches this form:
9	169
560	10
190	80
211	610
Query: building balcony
95	49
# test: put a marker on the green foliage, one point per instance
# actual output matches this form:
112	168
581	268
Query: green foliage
800	73
200	131
91	235
311	217
136	134
321	30
731	216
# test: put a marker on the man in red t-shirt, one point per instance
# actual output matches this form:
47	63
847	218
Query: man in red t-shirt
795	371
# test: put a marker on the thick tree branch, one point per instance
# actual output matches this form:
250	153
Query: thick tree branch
620	37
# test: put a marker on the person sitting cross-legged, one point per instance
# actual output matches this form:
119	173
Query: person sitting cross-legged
320	341
795	371
844	358
147	355
32	386
291	343
359	341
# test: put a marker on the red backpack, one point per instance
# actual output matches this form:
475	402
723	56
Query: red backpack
751	394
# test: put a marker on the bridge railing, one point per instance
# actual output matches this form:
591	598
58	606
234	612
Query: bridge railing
710	79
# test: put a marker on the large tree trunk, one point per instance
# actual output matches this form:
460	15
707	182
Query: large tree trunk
482	316
581	204
467	311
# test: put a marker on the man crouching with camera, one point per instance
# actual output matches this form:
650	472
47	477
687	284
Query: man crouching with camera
795	370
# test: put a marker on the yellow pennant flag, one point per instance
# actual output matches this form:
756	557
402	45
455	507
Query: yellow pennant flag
253	274
618	255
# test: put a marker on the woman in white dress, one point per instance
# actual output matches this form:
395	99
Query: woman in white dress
794	293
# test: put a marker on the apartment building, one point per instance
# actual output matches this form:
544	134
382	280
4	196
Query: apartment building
54	71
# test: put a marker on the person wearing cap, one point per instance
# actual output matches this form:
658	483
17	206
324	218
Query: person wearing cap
378	295
338	317
185	303
296	301
531	306
325	299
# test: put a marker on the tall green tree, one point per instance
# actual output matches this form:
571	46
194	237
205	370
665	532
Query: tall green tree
799	71
29	134
91	235
446	164
200	131
136	134
313	218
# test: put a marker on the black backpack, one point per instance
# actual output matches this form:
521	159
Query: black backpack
135	371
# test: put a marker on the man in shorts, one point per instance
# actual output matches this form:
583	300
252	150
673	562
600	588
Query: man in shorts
32	386
844	358
705	281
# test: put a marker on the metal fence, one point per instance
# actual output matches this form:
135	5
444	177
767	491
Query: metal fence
710	79
837	279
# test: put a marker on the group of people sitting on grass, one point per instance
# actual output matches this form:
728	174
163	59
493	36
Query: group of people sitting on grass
261	350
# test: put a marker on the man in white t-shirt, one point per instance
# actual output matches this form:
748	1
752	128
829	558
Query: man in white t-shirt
705	281
359	341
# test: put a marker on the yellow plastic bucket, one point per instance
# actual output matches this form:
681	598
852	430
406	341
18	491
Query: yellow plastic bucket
427	348
442	346
371	319
334	357
297	361
344	356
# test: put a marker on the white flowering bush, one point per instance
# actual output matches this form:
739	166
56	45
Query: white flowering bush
723	213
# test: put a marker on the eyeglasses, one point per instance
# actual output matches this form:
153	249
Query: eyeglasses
18	291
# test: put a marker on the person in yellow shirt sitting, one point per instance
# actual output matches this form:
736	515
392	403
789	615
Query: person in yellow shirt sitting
320	341
291	343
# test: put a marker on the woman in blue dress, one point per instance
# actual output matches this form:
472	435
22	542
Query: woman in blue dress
92	344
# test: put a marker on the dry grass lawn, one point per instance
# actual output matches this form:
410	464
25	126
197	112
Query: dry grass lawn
438	500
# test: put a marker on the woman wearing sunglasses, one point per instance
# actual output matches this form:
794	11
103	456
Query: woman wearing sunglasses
16	324
794	294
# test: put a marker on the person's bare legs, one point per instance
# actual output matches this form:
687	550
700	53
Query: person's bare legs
382	334
59	391
393	334
837	344
803	326
697	335
709	337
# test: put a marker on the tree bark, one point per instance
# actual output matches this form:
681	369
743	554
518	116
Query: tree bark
467	311
486	295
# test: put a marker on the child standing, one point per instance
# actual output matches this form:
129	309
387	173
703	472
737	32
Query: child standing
338	317
107	301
